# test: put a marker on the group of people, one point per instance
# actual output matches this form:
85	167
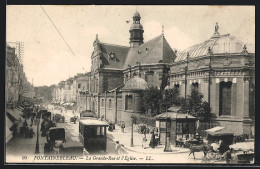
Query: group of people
26	130
217	147
47	123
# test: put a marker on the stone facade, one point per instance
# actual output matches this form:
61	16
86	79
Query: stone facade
225	78
18	88
221	68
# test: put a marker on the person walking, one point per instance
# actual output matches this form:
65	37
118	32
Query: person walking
152	141
25	123
32	117
144	142
31	132
122	127
118	148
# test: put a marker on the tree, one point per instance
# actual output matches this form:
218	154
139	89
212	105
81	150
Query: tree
194	106
170	98
151	99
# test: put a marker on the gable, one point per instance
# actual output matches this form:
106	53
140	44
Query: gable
156	50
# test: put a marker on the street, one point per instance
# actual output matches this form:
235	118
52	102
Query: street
72	132
20	147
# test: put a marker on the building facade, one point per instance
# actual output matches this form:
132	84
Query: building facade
17	87
221	68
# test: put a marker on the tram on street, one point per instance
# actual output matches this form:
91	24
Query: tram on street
92	133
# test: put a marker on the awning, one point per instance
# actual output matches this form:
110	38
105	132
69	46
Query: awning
244	146
9	123
219	131
174	116
19	111
214	129
14	113
8	135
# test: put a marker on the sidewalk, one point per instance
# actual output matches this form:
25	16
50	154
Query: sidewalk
125	140
19	145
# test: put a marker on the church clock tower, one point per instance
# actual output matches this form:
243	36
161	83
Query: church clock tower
136	31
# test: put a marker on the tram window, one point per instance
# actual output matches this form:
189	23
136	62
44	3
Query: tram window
100	131
110	103
81	129
91	131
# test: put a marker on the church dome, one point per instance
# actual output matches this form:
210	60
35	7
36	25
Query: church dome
221	44
135	83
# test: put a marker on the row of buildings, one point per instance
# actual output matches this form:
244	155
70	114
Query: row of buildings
18	90
221	68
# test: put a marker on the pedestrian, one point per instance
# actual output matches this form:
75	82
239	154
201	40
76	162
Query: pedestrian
152	141
102	117
227	156
31	132
32	119
85	152
118	148
57	146
25	123
215	146
144	142
110	128
122	127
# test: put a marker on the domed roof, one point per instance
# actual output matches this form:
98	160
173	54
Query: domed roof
136	14
136	26
219	45
135	83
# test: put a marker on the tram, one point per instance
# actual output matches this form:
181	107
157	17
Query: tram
92	133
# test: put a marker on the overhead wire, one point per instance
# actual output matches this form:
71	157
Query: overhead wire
57	30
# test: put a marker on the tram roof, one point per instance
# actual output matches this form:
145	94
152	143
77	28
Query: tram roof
93	122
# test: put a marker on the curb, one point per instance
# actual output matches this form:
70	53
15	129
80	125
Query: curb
126	148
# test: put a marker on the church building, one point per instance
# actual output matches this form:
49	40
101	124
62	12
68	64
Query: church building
221	68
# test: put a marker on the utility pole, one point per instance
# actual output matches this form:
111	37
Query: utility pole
167	147
186	72
37	151
132	132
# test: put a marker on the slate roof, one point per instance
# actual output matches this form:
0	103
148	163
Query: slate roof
156	50
120	55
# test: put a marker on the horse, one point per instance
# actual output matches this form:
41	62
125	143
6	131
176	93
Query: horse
198	148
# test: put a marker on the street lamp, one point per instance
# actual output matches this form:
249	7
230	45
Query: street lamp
132	133
167	147
37	151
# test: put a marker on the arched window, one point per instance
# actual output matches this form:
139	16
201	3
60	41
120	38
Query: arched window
195	87
128	102
225	98
109	103
177	87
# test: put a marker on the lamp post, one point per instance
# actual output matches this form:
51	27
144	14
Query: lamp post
167	147
37	151
132	133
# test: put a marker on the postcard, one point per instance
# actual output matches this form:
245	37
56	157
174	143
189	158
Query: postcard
130	84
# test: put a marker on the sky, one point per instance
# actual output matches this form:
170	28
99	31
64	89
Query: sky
48	60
